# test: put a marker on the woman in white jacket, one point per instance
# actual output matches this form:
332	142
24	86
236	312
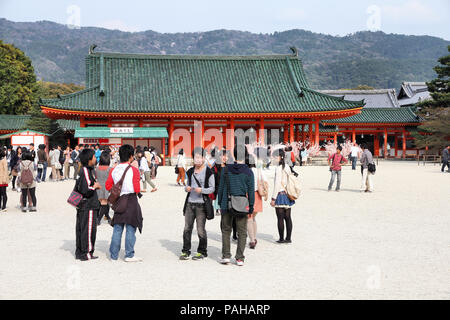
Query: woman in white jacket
280	200
181	164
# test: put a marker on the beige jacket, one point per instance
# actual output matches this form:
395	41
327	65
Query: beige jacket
26	164
280	180
4	176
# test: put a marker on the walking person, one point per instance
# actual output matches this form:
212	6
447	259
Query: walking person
335	161
4	180
354	153
446	159
144	169
290	159
27	181
54	163
260	182
67	163
200	183
102	174
236	181
75	156
280	200
304	156
16	157
181	165
131	218
42	163
366	159
86	223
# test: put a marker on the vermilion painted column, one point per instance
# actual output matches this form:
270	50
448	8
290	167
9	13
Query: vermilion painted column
335	138
202	133
404	144
353	135
316	139
82	123
291	130
230	135
385	143
376	146
286	133
310	135
171	127
261	130
396	145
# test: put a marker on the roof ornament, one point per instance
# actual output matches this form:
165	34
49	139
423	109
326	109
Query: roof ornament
91	48
295	51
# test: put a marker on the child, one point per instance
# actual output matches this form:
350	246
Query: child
86	226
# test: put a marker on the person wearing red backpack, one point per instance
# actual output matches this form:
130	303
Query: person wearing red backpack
334	161
27	181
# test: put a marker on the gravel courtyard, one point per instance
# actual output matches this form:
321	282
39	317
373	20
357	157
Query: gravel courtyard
391	244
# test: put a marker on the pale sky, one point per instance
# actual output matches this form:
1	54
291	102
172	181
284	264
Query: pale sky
411	17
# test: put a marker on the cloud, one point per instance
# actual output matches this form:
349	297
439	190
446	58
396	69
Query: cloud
413	10
117	25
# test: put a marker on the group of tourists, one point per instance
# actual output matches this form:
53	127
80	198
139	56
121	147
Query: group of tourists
368	169
233	185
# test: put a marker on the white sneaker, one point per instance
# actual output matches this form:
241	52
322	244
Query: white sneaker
134	259
225	260
240	263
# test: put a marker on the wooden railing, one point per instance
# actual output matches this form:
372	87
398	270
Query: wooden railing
429	158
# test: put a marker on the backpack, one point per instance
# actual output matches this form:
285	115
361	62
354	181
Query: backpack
26	177
293	188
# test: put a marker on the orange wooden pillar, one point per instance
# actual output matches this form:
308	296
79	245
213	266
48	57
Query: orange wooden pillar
261	130
171	144
303	133
202	132
404	144
310	135
286	133
385	136
376	145
291	130
396	145
335	138
316	132
353	135
230	135
82	122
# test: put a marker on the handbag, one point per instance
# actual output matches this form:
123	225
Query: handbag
114	193
371	167
75	197
207	201
237	205
177	170
262	186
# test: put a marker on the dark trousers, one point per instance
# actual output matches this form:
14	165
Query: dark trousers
42	173
76	169
444	164
3	197
104	211
85	233
354	162
14	182
195	212
226	225
32	192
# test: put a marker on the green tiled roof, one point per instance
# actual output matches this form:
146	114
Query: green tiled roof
201	84
13	122
381	115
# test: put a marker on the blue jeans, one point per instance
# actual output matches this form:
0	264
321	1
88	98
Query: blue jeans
42	173
354	162
130	240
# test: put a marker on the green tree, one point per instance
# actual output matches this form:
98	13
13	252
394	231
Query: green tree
17	81
435	111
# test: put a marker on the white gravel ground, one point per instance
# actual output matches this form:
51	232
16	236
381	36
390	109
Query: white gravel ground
391	244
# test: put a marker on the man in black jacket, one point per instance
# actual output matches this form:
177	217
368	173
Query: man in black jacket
86	225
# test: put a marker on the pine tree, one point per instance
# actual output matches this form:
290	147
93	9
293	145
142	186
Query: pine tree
435	111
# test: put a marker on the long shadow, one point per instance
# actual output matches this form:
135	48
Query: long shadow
100	245
332	190
176	246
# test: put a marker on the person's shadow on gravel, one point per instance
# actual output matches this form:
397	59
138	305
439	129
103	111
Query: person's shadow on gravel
176	246
100	246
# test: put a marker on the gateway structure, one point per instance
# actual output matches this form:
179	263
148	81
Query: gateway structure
170	92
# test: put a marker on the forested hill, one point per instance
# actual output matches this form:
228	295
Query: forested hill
371	58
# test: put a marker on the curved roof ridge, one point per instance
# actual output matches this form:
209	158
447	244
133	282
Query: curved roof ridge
71	94
322	93
192	56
